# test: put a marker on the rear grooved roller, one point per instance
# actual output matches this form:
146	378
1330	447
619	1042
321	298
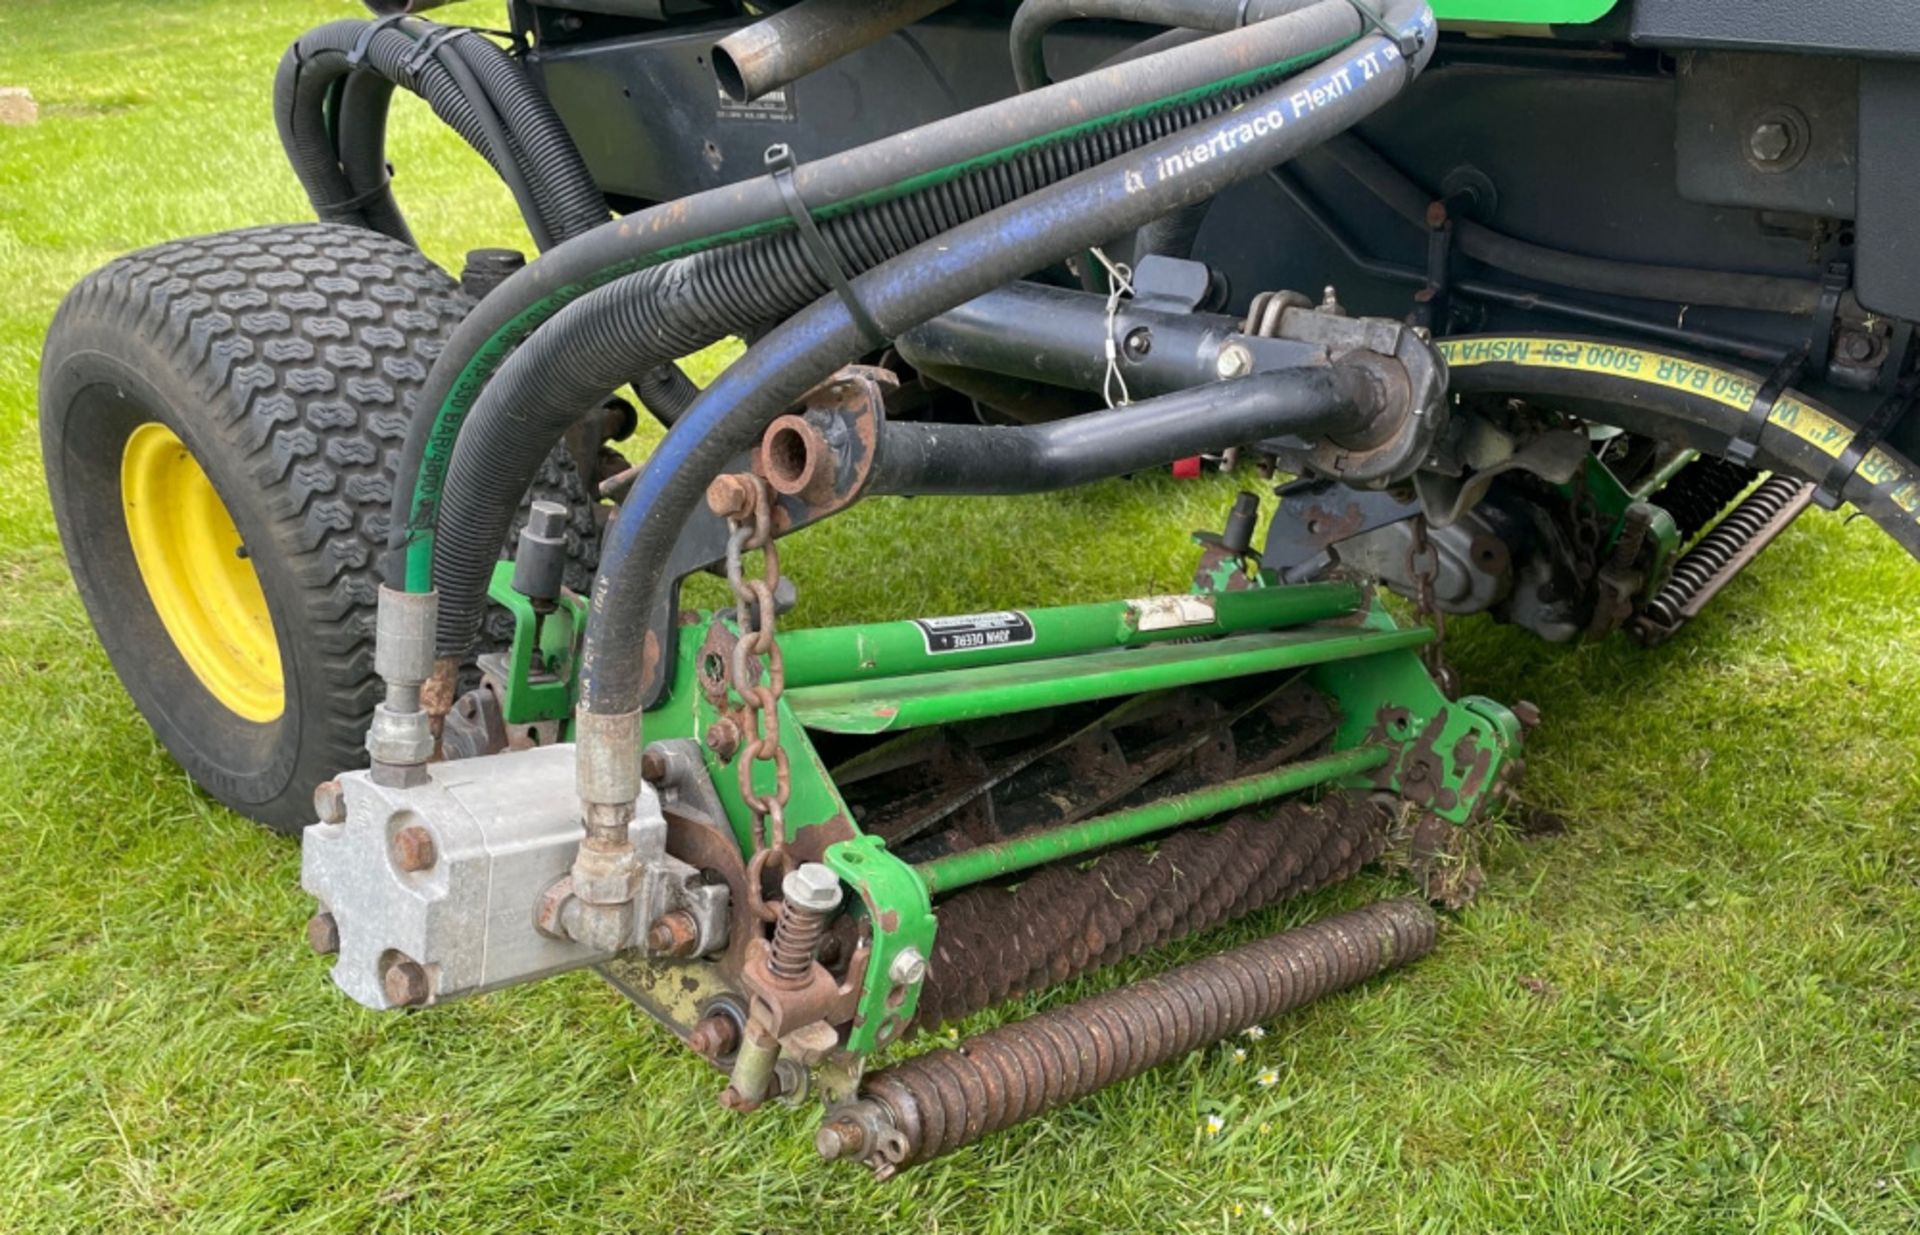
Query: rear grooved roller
948	1098
1697	568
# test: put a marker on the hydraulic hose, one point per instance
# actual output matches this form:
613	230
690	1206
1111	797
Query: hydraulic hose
674	309
1027	38
1118	195
980	460
1662	393
471	84
812	34
1022	141
1672	284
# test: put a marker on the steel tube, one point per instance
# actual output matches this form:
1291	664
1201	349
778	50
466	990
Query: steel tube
970	866
830	654
977	460
812	34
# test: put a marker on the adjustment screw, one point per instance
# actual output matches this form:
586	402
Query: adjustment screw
405	983
812	885
673	934
413	849
1770	142
908	967
323	934
1233	361
330	802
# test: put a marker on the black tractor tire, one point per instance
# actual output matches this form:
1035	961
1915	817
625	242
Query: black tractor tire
286	359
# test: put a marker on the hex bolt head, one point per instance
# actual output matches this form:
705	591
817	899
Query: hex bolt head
1233	361
673	934
547	520
405	983
813	886
323	934
908	967
330	802
653	766
715	1037
1770	142
723	738
413	849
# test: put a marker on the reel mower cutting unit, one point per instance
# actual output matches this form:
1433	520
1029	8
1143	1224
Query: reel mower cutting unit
356	539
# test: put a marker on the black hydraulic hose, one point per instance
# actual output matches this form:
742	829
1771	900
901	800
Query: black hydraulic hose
666	392
362	102
1022	141
812	34
1665	395
1673	284
967	261
475	87
671	310
978	460
1027	38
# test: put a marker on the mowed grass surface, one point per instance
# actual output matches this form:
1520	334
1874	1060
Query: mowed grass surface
1695	1010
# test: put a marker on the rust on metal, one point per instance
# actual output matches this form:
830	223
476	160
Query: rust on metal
413	849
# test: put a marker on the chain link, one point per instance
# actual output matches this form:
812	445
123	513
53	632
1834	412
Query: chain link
1423	564
755	612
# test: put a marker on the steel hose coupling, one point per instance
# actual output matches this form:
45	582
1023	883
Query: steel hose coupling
400	738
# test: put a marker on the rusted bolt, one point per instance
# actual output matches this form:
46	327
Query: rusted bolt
730	496
329	802
840	1138
673	934
653	766
1855	346
715	1037
323	934
406	983
723	738
413	849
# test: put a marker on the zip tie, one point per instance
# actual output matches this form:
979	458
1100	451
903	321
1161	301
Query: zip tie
358	200
1745	444
1876	427
1408	45
1240	16
780	165
357	54
427	50
1119	283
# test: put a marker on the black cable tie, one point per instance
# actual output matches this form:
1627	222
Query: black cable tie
1407	45
1833	285
780	165
428	49
1869	435
357	54
1240	16
359	200
1744	446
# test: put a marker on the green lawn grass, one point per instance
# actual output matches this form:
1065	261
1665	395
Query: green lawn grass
1694	1010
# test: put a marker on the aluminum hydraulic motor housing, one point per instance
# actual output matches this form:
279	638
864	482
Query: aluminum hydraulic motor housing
445	880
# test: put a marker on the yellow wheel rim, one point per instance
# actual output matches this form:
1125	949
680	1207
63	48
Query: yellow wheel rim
197	575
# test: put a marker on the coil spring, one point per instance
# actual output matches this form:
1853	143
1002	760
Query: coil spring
1701	491
939	1101
1706	560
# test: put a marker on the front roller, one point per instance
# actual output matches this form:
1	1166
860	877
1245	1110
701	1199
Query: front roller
219	418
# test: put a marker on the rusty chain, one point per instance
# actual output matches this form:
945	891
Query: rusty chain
754	611
1423	564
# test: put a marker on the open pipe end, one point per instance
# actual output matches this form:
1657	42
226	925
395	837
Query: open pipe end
727	71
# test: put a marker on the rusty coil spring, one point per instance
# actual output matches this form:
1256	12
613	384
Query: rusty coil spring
937	1102
1700	564
995	943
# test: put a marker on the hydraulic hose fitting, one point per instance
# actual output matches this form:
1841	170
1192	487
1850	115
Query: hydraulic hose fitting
400	739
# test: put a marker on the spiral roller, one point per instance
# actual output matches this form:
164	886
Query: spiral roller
1722	554
937	1102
